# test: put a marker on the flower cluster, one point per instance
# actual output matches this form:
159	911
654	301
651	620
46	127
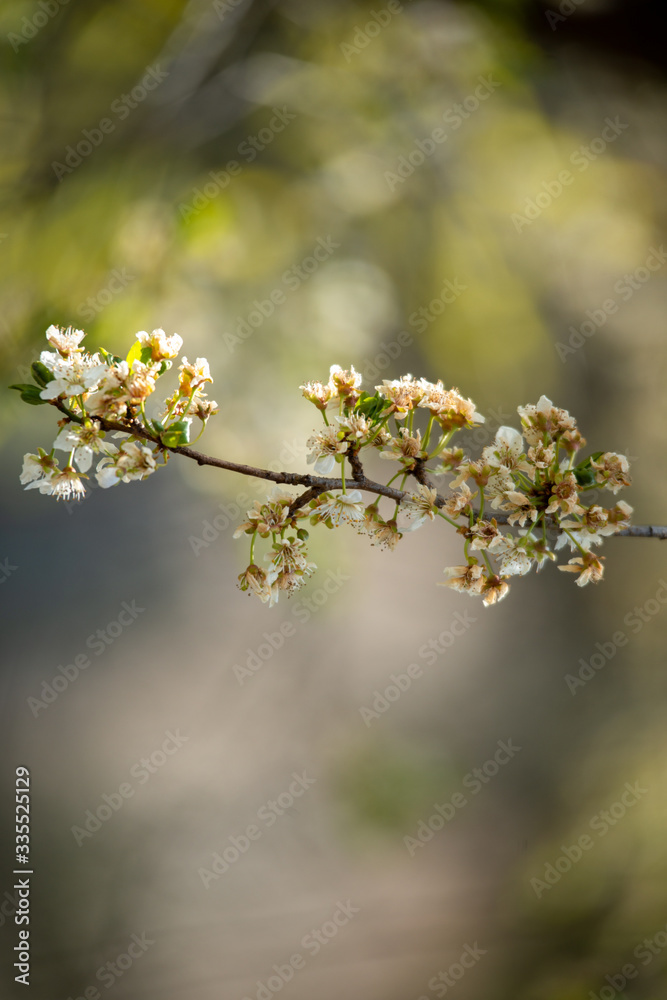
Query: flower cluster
288	566
100	394
530	479
523	500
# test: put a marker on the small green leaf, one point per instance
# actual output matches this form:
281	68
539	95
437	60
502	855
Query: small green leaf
111	359
30	394
371	406
41	374
176	434
584	473
139	353
134	353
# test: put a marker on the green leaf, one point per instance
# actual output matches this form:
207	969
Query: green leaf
139	353
111	359
30	394
584	473
371	406
134	353
41	374
176	434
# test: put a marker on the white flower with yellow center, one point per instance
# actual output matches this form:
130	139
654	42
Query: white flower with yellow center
405	446
63	484
85	440
162	347
267	516
419	508
131	461
36	467
589	567
611	471
545	418
289	556
318	393
403	393
65	341
355	426
325	447
456	502
344	382
344	508
514	560
193	375
449	406
72	376
507	451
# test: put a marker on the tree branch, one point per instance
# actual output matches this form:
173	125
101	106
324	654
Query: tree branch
316	484
644	531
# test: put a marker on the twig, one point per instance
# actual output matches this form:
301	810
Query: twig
318	484
644	531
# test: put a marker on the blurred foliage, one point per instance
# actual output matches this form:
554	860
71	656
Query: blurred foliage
149	225
389	786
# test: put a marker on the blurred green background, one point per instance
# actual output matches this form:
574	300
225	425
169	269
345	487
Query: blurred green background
486	183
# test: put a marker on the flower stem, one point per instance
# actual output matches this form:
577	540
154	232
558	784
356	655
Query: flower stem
448	519
427	435
571	536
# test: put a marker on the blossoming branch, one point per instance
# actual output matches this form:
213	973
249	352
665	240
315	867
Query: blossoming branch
515	507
